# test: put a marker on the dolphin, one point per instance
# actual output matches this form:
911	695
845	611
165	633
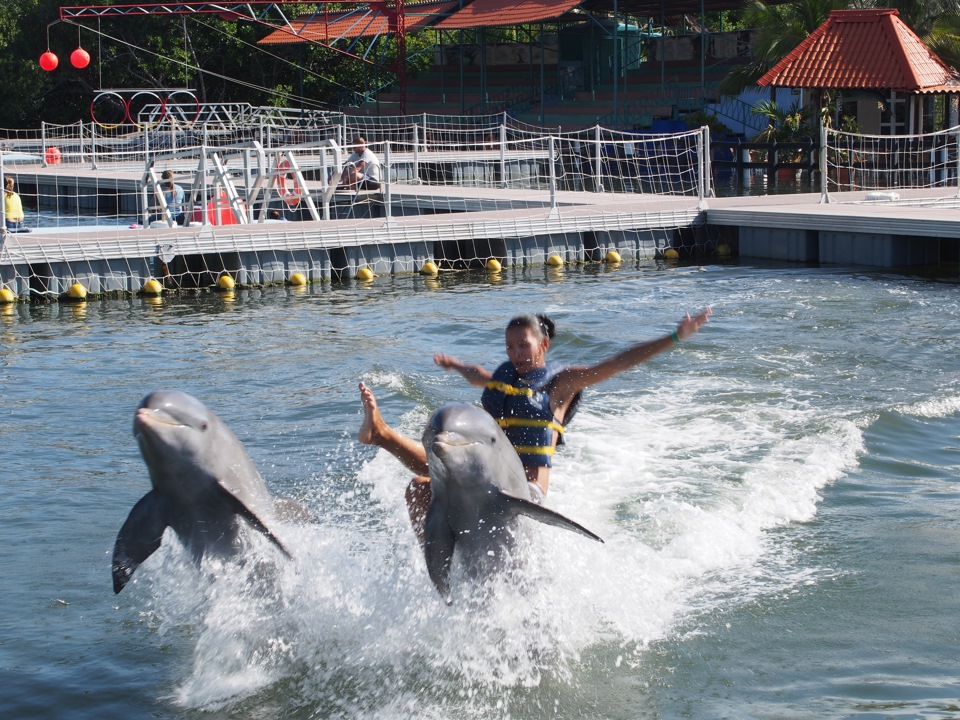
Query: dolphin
203	483
478	488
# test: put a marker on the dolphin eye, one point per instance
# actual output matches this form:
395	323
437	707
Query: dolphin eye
203	427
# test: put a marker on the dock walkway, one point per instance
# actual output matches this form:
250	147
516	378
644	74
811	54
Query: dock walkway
406	226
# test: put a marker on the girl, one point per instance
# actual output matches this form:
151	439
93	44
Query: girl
531	399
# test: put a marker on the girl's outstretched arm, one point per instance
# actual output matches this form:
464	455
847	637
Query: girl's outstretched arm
575	379
473	374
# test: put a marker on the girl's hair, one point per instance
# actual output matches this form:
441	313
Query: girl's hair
541	325
8	183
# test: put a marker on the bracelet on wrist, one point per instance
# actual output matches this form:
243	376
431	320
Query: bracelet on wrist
676	338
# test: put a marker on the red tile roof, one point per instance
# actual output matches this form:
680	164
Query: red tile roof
366	21
494	13
869	49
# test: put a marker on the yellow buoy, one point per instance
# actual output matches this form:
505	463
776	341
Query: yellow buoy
555	261
723	250
364	274
671	254
152	287
493	265
77	291
298	279
429	268
7	295
613	258
226	282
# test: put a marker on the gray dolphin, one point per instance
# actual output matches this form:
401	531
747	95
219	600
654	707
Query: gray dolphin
203	482
478	488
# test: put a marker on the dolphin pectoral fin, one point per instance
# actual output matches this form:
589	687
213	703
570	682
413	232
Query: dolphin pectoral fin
138	538
247	514
548	516
438	544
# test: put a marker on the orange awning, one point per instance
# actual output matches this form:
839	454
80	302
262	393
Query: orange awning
497	13
363	22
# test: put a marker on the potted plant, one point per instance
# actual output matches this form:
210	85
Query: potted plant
787	125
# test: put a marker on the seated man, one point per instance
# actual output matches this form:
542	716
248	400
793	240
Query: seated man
174	196
362	169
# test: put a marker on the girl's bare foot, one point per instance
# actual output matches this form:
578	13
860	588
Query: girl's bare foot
371	427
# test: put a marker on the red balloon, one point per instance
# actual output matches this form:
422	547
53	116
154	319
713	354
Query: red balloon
49	61
79	58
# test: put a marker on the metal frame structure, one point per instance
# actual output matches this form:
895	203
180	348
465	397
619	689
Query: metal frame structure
270	13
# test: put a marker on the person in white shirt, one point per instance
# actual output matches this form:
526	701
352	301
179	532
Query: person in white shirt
362	169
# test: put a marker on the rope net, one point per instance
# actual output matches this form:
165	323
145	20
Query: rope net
887	163
262	195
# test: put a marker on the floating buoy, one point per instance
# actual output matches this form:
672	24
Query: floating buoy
79	58
671	254
613	258
723	250
555	261
493	265
77	291
152	287
429	268
49	61
226	282
364	274
7	295
52	156
298	279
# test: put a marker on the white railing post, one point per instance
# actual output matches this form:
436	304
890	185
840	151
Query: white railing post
503	155
957	153
598	150
387	195
93	145
416	154
706	168
824	168
43	144
551	149
205	215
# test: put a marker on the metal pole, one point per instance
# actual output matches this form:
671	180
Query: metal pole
957	143
503	155
553	179
597	178
616	63
706	169
387	196
824	194
416	154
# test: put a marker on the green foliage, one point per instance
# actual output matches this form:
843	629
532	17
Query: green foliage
793	124
701	117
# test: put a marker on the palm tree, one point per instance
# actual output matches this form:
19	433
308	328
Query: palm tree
778	30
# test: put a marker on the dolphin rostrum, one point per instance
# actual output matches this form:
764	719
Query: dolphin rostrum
478	488
203	483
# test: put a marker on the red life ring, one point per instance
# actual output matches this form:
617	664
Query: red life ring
290	195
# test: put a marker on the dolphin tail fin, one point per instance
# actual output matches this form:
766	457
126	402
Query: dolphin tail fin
247	514
438	545
550	517
138	538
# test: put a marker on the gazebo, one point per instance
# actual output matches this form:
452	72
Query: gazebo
881	72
